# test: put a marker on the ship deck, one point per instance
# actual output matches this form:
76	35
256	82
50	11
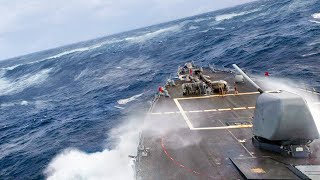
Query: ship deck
209	137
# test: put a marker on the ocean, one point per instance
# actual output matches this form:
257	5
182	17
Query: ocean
75	112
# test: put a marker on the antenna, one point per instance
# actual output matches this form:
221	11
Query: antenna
247	78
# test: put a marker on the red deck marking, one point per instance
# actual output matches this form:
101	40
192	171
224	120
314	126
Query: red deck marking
178	164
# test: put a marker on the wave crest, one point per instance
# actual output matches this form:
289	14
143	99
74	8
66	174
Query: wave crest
108	164
232	15
125	101
9	87
316	15
152	35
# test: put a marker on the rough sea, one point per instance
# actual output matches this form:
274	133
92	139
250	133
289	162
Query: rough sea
74	112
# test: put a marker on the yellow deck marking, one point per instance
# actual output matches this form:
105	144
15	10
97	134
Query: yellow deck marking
209	110
195	111
203	97
222	127
206	110
238	139
239	108
226	109
257	170
185	117
156	113
246	93
253	157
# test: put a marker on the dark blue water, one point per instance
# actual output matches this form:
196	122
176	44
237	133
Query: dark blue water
68	97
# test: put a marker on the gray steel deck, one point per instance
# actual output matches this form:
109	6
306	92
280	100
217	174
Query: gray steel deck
188	138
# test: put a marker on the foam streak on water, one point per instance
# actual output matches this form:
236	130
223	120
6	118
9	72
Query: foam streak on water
151	35
9	86
232	15
127	100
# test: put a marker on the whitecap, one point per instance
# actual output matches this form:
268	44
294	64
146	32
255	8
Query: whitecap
107	164
153	34
125	101
310	54
193	27
4	105
5	69
200	20
11	67
16	103
83	49
119	107
204	31
318	22
9	87
95	46
24	103
314	43
68	52
219	28
316	15
232	15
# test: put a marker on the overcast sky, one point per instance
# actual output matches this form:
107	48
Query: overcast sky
28	26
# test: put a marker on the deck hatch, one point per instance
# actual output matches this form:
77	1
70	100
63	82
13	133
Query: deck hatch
263	168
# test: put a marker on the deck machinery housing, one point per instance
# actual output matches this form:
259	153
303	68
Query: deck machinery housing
282	122
219	124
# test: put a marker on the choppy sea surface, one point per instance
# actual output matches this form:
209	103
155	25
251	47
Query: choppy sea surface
74	112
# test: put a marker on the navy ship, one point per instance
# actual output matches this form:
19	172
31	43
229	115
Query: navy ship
220	124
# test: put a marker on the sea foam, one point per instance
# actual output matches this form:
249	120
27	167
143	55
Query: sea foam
316	15
125	101
232	15
107	164
151	35
9	87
